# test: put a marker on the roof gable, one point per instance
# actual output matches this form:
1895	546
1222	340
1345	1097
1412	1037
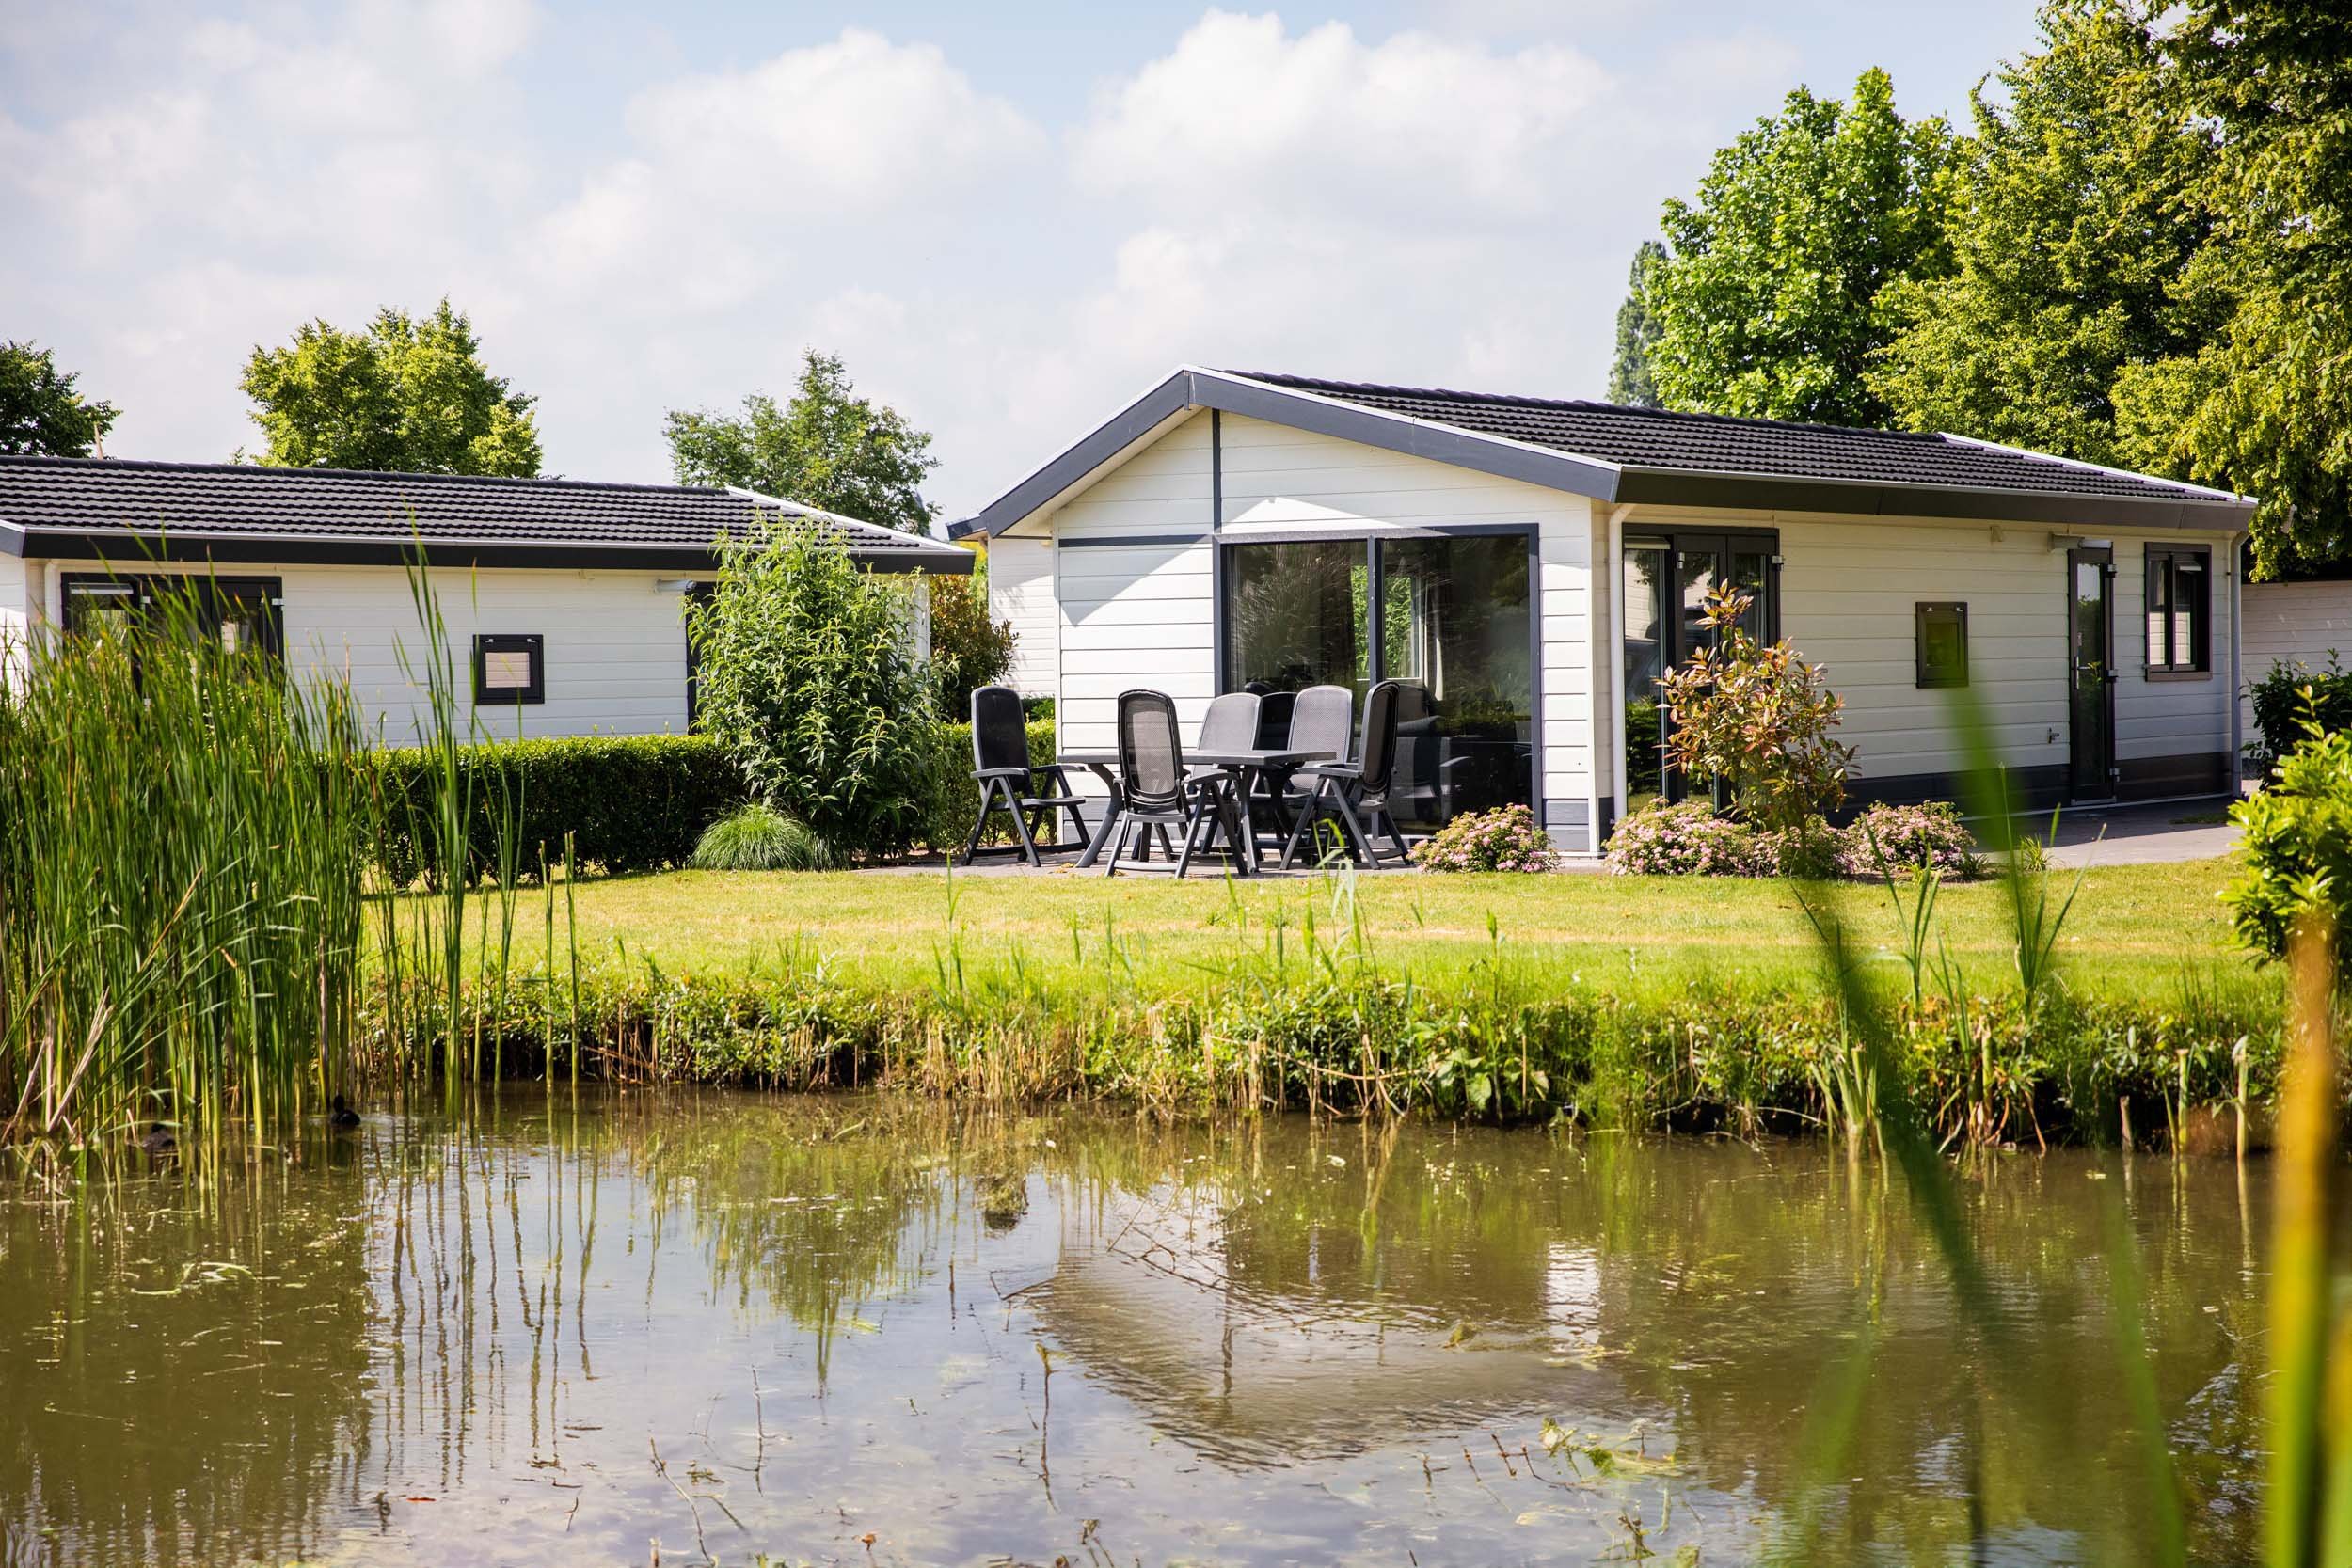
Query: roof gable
1621	455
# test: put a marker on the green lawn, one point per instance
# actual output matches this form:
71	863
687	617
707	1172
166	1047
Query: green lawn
2135	930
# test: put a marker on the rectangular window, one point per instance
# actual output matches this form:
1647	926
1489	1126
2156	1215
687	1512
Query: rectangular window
509	667
242	614
2179	608
1941	632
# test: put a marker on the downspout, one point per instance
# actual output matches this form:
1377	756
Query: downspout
1616	668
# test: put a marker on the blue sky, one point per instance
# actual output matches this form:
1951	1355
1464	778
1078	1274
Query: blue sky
1008	219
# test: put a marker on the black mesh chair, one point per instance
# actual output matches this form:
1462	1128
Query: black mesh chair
1274	718
1154	793
1000	763
1356	796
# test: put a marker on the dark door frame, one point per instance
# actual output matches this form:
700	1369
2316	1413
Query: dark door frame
1722	541
2102	556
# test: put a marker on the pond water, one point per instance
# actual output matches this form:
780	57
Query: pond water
865	1331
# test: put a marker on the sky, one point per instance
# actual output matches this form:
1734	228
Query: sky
1009	219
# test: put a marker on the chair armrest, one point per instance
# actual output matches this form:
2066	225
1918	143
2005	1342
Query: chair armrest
1000	773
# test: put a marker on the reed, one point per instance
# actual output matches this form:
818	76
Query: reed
181	907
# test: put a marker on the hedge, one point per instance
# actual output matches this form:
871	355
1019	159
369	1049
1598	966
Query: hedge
2280	711
630	803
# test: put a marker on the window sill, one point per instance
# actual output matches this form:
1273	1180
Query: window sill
2163	676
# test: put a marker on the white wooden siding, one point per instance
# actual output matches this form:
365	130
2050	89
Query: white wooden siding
2294	622
16	624
1849	588
615	661
1021	590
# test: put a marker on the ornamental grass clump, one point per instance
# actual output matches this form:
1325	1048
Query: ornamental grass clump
758	837
1504	839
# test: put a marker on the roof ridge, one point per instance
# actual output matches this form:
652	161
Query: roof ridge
285	471
1513	399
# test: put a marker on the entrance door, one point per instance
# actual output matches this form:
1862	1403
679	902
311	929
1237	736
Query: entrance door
2090	674
1667	579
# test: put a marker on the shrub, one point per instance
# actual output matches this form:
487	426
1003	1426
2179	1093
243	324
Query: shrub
809	678
2298	847
1756	720
1682	840
1910	837
2288	696
1812	852
1504	839
760	838
630	802
968	649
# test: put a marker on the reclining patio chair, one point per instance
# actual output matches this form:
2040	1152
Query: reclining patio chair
1000	764
1355	796
1155	794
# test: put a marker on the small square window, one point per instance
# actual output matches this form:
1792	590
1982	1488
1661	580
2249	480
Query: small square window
1942	634
509	667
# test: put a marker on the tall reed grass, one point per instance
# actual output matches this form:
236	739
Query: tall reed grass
182	843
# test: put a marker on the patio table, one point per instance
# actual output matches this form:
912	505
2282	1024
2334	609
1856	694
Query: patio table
1245	764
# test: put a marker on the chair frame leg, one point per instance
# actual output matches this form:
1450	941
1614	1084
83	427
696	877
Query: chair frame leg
1310	811
980	824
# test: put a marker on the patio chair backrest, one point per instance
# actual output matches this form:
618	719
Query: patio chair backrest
1319	720
1380	706
1231	723
1000	737
1151	753
1274	720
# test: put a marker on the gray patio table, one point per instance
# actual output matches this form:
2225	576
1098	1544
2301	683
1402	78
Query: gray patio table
1246	765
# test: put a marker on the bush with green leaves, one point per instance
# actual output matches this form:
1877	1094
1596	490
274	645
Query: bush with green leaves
760	838
1908	838
808	677
968	649
2290	696
2298	847
1681	840
1756	720
628	802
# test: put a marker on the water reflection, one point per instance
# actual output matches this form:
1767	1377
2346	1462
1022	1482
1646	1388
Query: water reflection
569	1331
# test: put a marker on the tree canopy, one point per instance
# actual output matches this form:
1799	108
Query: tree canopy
404	395
1767	301
40	413
1630	381
826	448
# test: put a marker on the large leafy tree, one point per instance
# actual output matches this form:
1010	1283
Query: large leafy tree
407	394
1630	381
2264	405
40	413
1769	299
2078	213
826	447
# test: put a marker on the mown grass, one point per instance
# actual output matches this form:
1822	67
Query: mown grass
2134	931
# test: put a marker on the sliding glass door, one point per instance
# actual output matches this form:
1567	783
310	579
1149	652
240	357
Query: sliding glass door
1667	579
1452	621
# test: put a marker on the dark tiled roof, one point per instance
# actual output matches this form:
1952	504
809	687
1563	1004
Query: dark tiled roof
1647	438
232	501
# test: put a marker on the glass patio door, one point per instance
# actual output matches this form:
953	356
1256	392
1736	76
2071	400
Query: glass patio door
1666	581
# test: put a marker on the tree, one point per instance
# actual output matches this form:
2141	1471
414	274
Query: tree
807	673
1629	379
40	413
2265	406
826	448
1768	301
405	395
968	649
2078	213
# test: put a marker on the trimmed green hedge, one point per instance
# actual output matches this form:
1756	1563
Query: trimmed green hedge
630	802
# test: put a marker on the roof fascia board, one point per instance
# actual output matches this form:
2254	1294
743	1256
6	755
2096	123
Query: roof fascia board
11	538
125	547
794	509
1766	493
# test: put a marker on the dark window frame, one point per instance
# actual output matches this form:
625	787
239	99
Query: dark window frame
1924	611
2161	580
206	591
487	642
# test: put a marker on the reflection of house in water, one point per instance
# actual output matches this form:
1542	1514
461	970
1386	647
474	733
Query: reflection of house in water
1261	1338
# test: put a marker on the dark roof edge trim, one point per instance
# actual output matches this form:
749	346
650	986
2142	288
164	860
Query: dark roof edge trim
1769	493
124	549
1192	387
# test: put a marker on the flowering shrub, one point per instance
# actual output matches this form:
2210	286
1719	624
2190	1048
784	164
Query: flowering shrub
1814	851
1505	839
1910	837
1683	840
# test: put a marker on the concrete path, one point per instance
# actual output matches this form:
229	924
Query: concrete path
2141	835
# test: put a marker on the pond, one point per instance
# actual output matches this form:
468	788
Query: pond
869	1331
